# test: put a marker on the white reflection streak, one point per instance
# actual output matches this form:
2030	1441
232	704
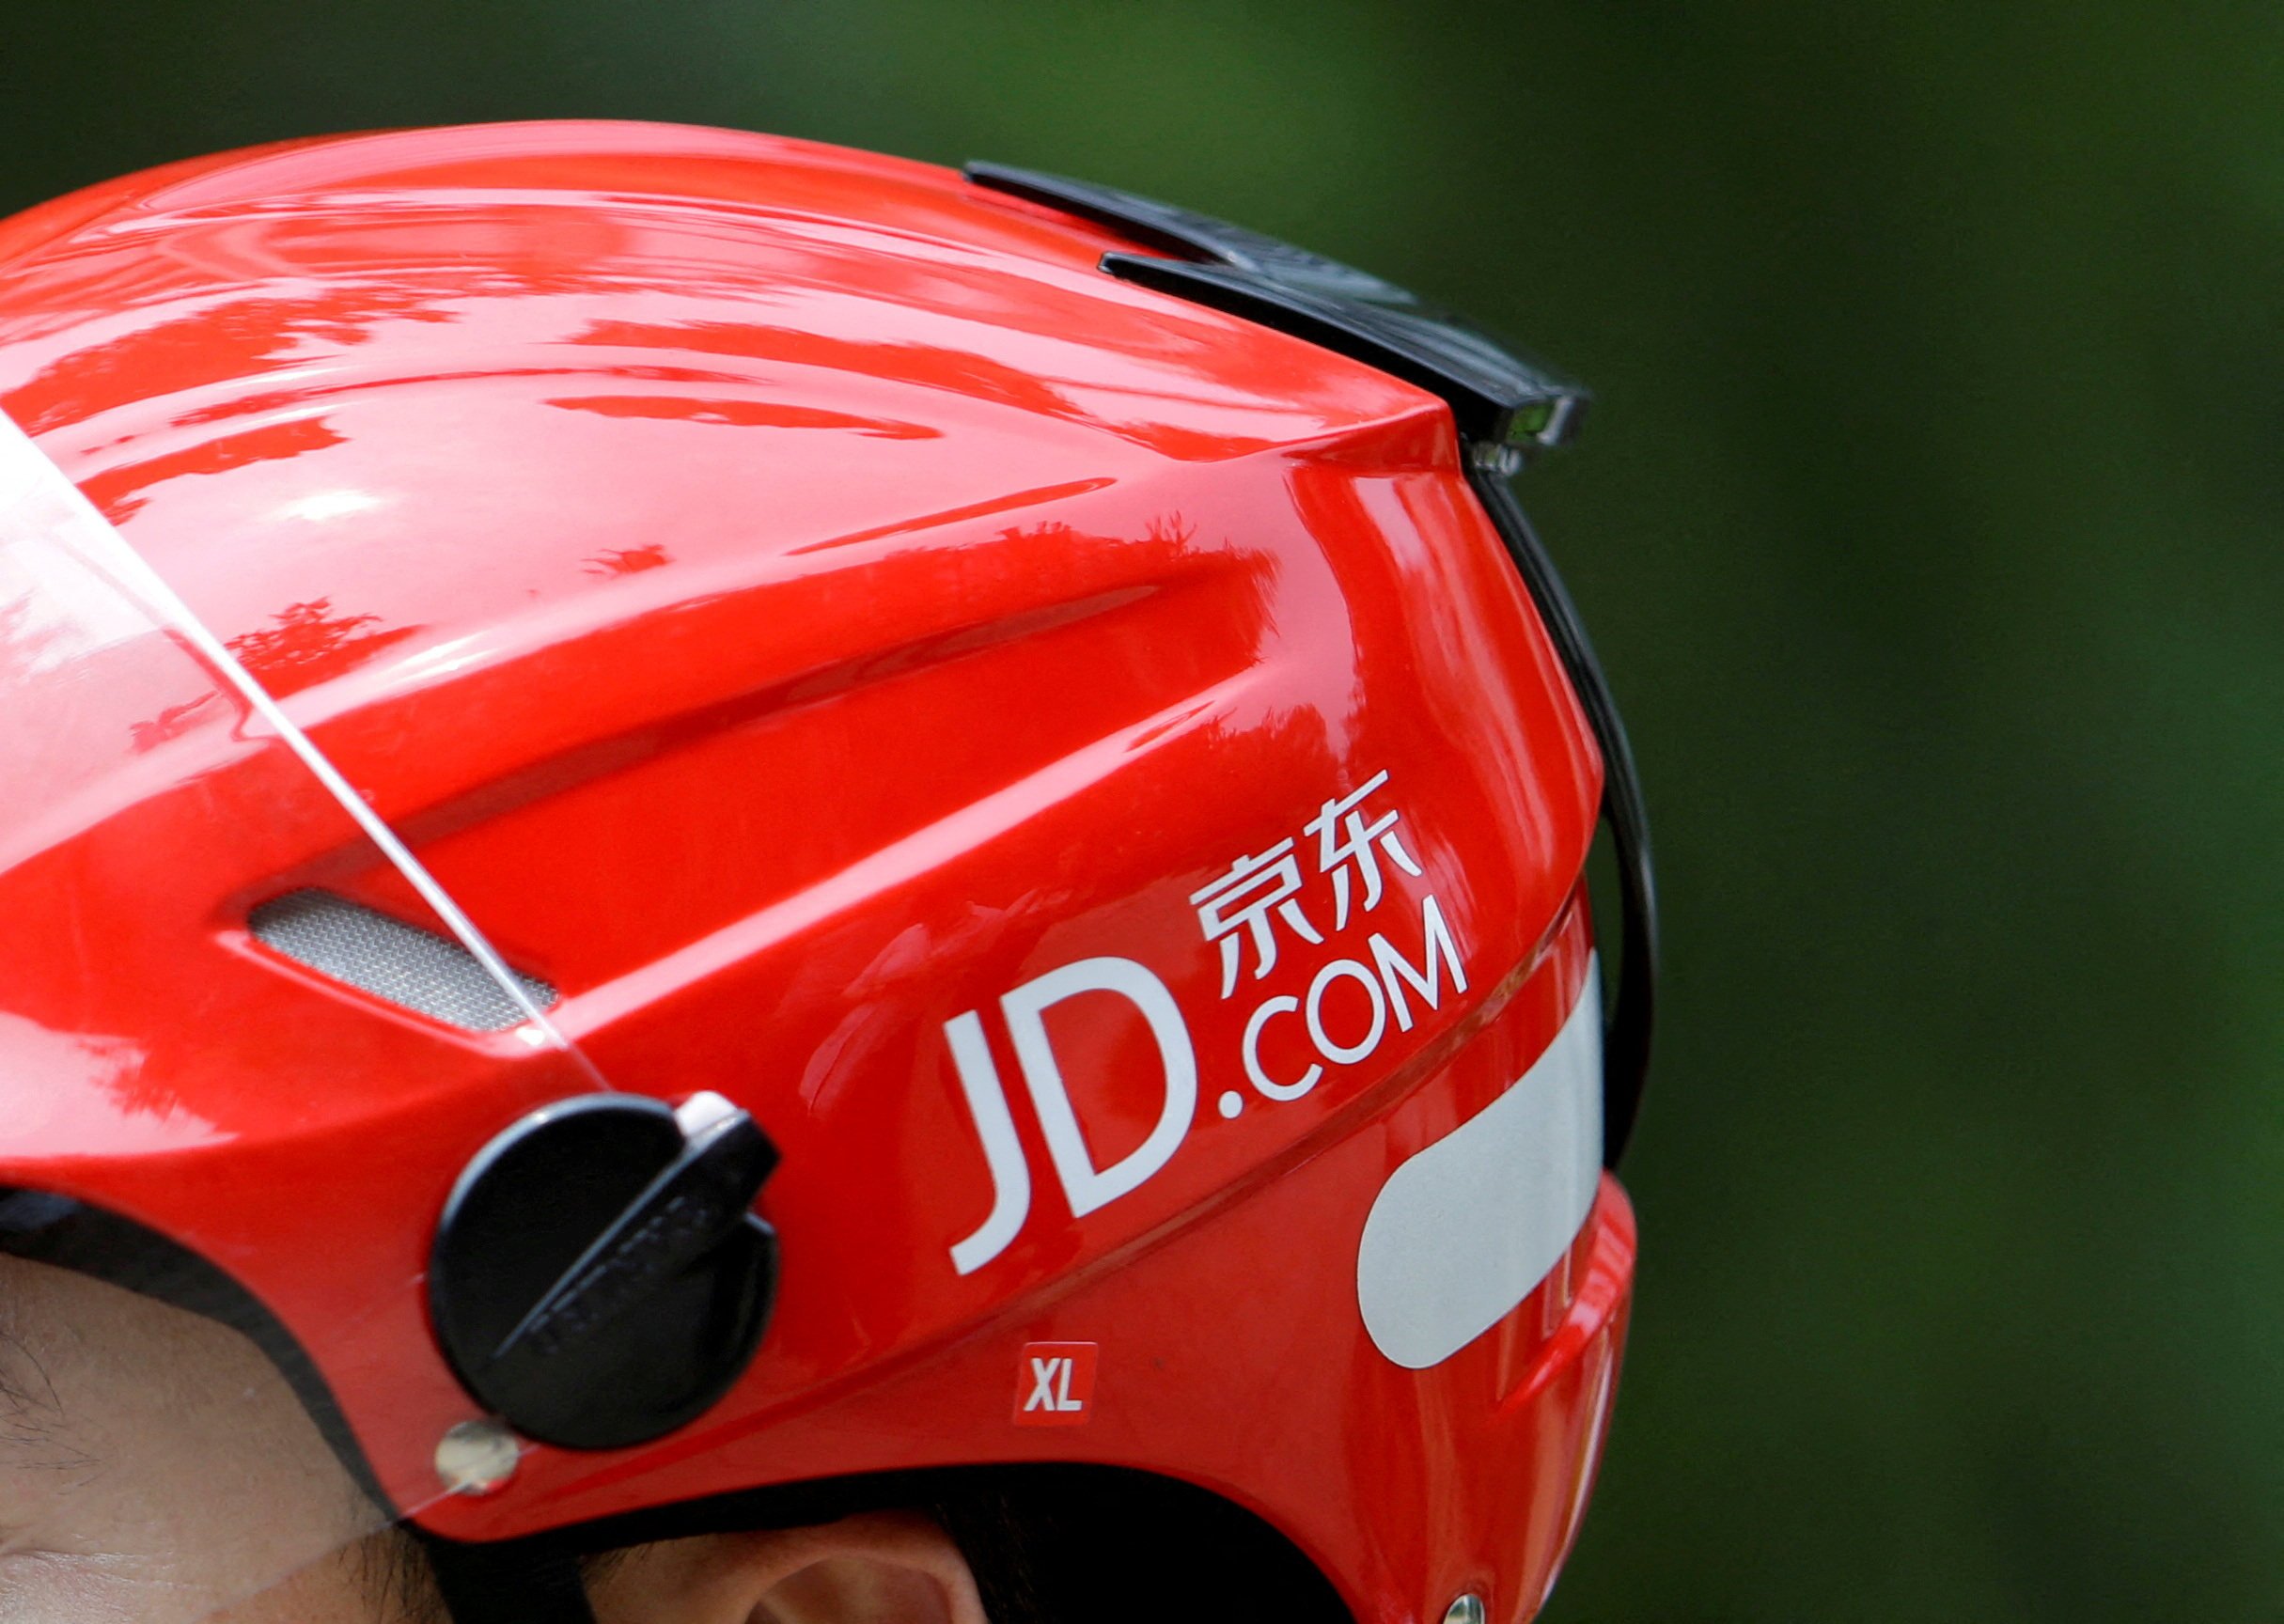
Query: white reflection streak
330	505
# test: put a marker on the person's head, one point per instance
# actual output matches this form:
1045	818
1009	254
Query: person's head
156	1468
745	883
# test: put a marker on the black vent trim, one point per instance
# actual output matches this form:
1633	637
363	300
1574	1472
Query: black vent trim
1500	397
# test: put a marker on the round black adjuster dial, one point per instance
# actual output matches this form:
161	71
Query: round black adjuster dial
599	1277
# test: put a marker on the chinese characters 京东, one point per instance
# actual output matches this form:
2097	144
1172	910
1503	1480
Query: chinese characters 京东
1245	904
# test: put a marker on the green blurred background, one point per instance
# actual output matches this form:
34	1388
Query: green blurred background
1927	524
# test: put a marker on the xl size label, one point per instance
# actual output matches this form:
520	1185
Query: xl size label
1054	1384
1262	908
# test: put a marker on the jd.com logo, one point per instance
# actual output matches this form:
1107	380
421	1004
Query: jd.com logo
1245	907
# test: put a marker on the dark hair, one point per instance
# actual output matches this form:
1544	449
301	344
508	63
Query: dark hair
1053	1544
393	1572
1072	1544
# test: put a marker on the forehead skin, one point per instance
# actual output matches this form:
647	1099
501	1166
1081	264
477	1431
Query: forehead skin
156	1469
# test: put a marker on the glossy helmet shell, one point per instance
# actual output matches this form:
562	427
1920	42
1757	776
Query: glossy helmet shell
804	610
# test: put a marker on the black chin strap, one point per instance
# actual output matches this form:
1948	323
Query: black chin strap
526	1582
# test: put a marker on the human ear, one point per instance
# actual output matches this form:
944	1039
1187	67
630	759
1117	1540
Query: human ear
882	1568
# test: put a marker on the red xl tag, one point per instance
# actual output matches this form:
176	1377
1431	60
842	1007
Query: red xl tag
1054	1384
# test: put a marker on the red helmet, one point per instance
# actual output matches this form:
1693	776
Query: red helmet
721	830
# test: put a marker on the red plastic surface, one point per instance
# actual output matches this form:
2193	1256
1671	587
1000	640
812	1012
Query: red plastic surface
792	599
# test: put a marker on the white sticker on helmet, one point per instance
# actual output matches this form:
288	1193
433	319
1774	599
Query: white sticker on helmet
1465	1229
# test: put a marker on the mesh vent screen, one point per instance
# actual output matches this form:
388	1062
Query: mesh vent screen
391	959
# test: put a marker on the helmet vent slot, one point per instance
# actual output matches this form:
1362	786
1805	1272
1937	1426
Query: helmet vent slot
410	967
